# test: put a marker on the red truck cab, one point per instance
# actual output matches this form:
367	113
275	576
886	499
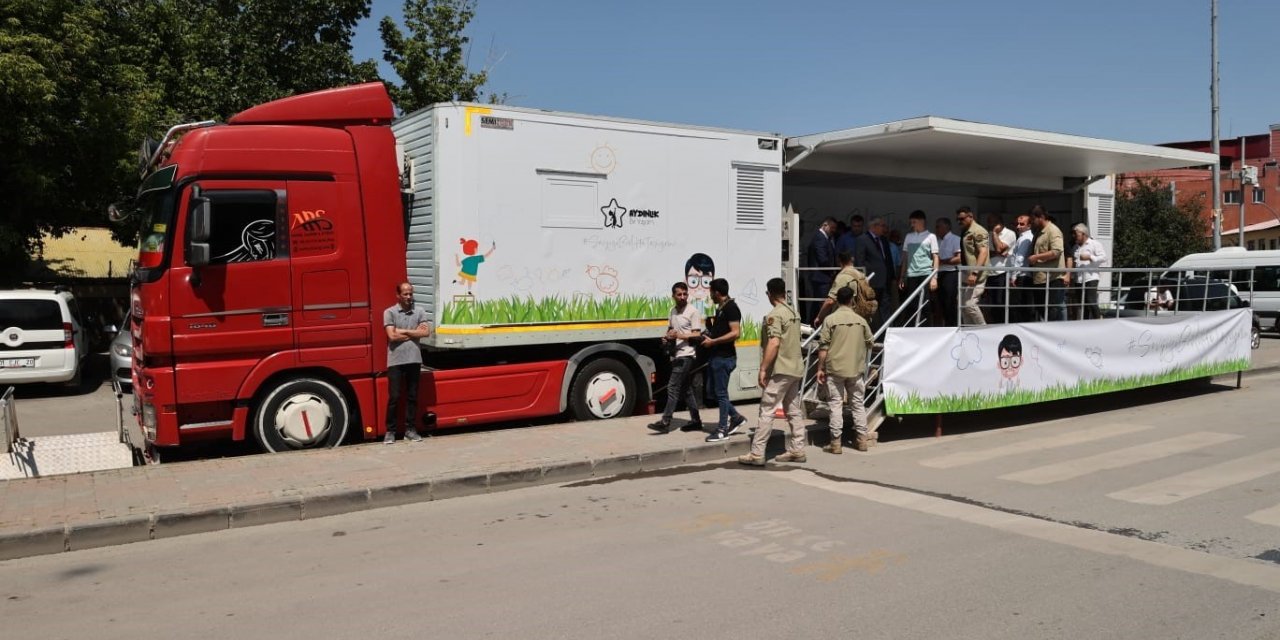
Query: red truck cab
271	246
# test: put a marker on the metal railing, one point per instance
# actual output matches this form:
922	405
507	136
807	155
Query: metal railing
8	420
1129	293
1110	293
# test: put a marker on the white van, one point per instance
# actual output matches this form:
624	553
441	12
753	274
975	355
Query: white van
41	338
1236	264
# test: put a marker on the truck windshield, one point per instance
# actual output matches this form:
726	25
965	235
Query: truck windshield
155	211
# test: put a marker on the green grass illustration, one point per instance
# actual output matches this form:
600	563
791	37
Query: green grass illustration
953	403
554	309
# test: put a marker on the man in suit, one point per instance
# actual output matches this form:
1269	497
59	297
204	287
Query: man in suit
873	256
820	258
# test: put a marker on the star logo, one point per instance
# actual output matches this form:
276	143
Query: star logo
613	214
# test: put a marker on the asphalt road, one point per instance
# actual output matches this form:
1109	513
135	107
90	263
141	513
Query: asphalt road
1130	520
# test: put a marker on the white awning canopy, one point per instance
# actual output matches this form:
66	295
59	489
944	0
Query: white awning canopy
941	155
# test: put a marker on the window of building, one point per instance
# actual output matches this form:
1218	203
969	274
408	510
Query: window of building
1259	195
1250	245
1230	196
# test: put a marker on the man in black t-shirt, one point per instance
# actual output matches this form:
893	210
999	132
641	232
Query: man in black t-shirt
725	328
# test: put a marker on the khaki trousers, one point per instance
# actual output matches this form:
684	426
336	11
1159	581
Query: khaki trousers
785	389
845	394
970	312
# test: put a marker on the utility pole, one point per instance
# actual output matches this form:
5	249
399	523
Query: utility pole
1213	99
1242	158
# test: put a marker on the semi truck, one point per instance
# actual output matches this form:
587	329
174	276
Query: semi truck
542	245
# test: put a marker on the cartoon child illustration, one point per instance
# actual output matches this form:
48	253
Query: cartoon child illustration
471	264
699	271
1010	351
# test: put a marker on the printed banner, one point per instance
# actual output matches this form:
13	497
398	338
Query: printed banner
944	370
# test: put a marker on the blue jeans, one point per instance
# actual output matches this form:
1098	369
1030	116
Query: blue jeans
721	368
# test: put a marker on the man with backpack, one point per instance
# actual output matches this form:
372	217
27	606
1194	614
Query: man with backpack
864	299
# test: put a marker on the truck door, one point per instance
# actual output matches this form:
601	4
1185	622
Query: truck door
329	267
229	315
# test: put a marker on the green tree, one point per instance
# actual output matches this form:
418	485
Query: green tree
83	81
74	105
431	59
1153	231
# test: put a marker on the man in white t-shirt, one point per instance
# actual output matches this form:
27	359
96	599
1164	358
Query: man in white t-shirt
684	329
1022	296
1089	255
1003	242
949	257
919	261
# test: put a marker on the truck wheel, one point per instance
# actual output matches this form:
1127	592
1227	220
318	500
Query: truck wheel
603	388
1255	337
303	413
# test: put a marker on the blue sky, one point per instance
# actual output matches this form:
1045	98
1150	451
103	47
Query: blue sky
1134	70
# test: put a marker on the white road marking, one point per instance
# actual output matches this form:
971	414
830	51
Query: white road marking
1202	481
1119	458
1244	572
1065	439
1269	516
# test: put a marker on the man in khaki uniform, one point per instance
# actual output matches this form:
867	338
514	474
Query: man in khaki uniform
781	369
977	253
1046	252
847	277
842	366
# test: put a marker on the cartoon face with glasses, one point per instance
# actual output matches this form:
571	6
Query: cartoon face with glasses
1010	362
699	271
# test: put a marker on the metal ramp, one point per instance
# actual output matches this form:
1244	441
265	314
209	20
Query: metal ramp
56	455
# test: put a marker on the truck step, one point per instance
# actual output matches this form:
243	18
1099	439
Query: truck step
56	455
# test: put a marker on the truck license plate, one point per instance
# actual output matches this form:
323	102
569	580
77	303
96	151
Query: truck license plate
17	363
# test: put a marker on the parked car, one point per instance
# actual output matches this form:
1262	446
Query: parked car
41	337
1256	270
122	358
1185	294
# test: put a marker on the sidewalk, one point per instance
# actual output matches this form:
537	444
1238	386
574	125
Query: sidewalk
81	511
67	513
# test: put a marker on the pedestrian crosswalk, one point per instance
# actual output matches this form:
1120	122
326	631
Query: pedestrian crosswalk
1119	458
1070	454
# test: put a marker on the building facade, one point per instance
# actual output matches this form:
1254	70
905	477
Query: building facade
1260	202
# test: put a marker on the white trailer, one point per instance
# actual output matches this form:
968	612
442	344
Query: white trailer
546	232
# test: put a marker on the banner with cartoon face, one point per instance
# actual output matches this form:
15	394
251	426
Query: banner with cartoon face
944	370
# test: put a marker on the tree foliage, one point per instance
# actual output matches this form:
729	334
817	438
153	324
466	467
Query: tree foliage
1153	231
431	58
82	82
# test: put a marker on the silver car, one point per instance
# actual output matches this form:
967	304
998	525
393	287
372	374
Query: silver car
122	358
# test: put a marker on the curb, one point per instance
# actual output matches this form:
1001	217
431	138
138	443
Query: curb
206	518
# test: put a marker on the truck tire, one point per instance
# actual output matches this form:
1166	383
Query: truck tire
301	413
603	388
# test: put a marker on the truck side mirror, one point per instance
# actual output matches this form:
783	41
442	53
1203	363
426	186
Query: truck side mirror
199	224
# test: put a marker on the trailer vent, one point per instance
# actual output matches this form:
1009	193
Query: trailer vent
749	198
1104	221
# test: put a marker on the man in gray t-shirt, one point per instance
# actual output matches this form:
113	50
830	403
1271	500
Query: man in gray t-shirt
405	322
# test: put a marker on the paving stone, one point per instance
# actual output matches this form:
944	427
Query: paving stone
181	523
34	542
459	486
283	509
331	504
104	533
396	495
616	465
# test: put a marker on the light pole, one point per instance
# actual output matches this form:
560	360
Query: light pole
1213	99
